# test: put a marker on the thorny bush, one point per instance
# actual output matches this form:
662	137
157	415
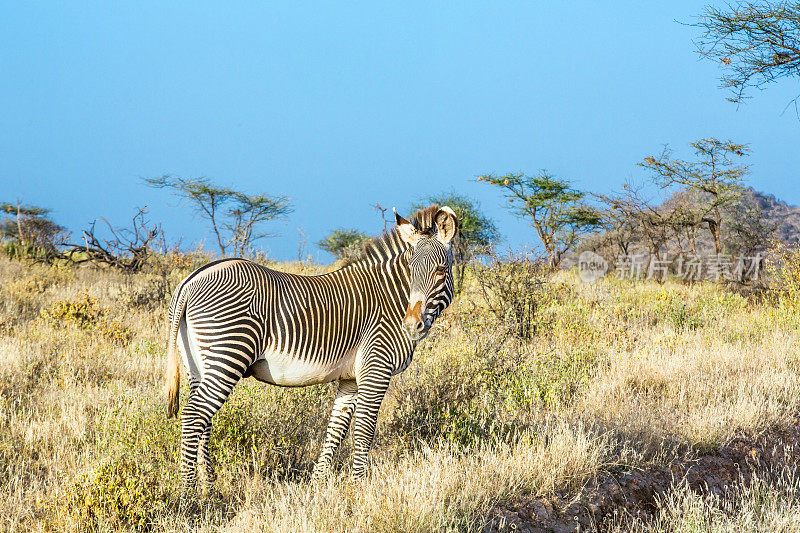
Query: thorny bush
510	288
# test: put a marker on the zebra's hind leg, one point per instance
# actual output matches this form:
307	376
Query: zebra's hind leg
339	423
204	457
189	421
203	403
192	425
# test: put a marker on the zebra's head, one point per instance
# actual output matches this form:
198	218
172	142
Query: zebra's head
430	267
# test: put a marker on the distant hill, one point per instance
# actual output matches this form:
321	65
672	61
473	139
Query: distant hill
748	227
786	217
778	216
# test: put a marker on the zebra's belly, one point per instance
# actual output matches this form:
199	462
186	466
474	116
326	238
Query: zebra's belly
288	370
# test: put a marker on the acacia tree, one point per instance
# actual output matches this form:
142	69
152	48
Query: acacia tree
476	233
654	224
619	232
234	215
246	213
555	210
343	242
714	176
755	42
30	231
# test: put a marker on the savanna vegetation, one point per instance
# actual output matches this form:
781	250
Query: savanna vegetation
612	376
531	387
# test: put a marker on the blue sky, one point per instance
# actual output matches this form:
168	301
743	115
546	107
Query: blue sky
344	104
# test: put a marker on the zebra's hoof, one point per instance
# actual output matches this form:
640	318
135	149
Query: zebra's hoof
188	505
213	495
320	475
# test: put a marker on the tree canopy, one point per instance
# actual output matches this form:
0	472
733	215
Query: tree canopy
715	176
554	209
755	43
29	230
234	215
343	242
476	231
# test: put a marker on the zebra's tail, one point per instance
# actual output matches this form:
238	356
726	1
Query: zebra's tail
177	308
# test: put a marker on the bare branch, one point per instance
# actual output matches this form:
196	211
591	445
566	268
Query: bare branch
128	250
755	42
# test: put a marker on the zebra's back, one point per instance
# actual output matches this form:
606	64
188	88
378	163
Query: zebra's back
286	329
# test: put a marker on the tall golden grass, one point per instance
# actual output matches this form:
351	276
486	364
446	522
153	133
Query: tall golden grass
618	373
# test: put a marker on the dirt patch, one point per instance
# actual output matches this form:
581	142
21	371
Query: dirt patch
634	493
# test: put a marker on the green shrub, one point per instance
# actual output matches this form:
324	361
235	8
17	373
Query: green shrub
16	250
437	406
121	492
271	430
135	479
510	291
783	267
85	313
268	430
343	242
450	395
681	317
550	380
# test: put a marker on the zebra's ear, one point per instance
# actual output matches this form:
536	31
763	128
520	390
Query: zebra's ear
446	225
407	231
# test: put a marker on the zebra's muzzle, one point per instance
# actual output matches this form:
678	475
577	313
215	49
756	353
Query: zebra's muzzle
417	332
414	324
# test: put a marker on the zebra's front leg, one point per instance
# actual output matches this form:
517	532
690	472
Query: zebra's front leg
371	391
339	423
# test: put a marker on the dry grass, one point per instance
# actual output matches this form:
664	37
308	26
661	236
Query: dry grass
617	374
769	503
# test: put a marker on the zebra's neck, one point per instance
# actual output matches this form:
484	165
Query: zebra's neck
382	271
382	249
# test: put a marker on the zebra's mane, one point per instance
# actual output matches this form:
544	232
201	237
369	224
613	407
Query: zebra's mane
389	244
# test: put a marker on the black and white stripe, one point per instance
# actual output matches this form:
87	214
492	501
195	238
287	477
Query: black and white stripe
358	325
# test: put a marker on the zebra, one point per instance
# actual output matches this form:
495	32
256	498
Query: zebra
358	325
